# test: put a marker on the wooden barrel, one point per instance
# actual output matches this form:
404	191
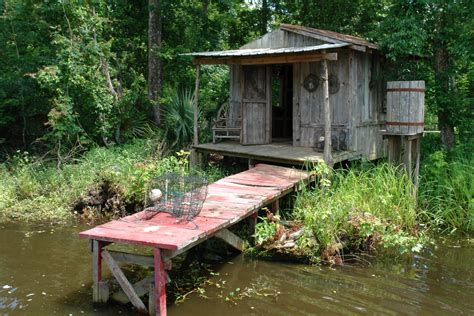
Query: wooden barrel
405	107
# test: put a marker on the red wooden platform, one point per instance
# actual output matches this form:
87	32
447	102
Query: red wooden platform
228	201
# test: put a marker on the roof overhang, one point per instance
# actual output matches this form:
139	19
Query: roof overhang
262	56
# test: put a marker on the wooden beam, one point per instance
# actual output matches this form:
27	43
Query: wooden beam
196	110
141	288
124	283
265	60
160	285
231	239
359	48
327	116
131	258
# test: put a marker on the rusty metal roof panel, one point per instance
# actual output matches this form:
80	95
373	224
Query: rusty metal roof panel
266	51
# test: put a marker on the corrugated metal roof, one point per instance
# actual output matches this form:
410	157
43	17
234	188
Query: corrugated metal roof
265	51
331	34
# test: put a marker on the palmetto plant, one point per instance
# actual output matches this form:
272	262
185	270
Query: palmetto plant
179	117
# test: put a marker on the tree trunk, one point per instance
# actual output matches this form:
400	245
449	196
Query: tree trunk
442	79
264	17
154	60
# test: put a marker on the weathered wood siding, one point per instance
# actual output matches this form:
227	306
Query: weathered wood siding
256	105
368	96
308	126
235	93
278	39
357	99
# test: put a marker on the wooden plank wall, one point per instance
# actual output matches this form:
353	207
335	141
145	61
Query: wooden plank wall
256	104
307	106
368	97
235	98
278	39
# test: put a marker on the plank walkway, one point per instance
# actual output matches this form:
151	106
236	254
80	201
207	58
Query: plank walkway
228	201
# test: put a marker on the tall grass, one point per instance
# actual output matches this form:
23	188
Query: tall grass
447	190
364	206
35	190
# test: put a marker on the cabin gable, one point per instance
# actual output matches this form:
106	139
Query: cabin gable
280	38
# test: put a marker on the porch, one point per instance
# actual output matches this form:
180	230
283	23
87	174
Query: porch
284	153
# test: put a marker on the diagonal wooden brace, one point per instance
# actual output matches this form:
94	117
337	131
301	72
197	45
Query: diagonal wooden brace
232	239
124	283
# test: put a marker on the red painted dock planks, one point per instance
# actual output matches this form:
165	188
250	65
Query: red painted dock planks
228	201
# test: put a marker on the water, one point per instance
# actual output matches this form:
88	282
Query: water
47	271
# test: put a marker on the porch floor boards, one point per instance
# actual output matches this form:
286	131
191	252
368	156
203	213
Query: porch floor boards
274	152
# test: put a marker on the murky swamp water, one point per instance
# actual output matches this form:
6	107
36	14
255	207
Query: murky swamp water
47	271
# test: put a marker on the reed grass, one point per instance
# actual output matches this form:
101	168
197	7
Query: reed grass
363	207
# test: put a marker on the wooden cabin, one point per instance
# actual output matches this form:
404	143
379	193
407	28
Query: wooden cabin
276	109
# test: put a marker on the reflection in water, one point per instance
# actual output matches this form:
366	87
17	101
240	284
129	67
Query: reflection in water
46	271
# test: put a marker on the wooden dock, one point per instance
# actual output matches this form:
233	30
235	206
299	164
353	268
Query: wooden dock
229	201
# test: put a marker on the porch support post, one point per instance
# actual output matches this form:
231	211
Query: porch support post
160	284
196	110
194	159
327	115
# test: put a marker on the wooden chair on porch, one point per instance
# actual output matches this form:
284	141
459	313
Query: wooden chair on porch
222	127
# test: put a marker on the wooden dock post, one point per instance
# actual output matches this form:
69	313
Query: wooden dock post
100	289
160	284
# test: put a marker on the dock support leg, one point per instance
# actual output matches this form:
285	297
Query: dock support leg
160	284
100	289
252	219
276	207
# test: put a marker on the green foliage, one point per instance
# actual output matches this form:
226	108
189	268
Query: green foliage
447	190
360	208
264	230
179	117
37	190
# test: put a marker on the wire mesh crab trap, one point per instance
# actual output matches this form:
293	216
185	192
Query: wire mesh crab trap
181	196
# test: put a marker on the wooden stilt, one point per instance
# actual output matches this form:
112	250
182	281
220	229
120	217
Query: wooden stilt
160	284
394	149
100	290
252	220
276	207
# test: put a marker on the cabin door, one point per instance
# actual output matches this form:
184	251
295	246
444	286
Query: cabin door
256	105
